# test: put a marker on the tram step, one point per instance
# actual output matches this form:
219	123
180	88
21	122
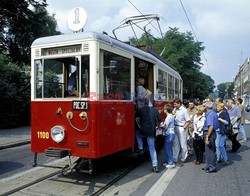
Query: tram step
57	152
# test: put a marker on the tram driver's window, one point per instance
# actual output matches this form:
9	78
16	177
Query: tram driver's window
116	76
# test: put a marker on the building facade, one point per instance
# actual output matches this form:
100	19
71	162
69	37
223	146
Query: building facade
242	81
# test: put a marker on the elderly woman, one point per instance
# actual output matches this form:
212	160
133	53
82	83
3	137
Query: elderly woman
223	118
198	142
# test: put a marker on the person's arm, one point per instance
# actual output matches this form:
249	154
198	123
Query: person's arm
187	118
238	113
209	132
224	119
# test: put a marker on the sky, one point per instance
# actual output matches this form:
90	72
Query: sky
222	25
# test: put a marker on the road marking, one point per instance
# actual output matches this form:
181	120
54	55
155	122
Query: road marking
161	185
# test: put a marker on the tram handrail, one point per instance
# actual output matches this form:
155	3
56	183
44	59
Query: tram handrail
80	130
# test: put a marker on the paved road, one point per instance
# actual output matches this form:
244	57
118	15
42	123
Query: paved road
233	179
17	159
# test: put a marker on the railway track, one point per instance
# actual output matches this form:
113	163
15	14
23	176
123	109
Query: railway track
57	173
31	183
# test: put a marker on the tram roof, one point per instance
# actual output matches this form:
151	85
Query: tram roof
105	38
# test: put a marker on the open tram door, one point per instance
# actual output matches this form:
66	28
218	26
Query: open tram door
144	69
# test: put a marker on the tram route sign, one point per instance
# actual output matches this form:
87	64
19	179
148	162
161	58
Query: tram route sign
77	19
80	105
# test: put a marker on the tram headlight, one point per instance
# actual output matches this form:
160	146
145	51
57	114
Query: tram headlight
57	133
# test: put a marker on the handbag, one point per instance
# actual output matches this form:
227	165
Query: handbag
159	131
228	129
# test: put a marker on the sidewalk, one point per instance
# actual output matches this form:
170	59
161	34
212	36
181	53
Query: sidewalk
14	137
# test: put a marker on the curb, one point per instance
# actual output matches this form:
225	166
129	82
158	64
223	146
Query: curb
11	145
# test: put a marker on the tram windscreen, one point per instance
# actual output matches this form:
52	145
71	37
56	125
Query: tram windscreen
62	77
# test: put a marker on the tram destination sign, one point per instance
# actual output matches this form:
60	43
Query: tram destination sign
80	105
61	50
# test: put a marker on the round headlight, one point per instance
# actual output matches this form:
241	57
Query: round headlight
57	133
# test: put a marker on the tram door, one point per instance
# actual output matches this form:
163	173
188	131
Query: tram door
144	69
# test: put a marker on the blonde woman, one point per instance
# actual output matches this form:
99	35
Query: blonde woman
198	142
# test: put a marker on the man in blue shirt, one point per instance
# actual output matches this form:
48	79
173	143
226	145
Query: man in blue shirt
210	125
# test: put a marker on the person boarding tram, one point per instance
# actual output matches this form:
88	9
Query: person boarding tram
149	117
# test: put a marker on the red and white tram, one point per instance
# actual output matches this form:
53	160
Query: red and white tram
82	97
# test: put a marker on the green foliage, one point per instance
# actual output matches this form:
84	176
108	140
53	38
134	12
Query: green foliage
51	85
15	93
184	54
225	90
22	22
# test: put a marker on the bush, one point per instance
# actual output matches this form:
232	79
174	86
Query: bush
14	94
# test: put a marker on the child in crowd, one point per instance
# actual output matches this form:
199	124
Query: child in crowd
169	136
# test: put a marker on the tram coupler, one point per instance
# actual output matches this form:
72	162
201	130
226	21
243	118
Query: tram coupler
90	166
35	160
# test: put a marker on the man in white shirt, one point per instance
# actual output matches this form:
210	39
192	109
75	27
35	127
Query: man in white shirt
182	121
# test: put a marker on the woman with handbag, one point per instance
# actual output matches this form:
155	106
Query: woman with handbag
198	142
224	120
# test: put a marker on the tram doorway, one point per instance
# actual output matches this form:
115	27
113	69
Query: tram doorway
144	69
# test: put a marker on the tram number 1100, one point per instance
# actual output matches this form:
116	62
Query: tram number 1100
43	135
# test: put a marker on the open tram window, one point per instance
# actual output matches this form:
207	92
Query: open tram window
170	87
116	77
60	78
177	89
162	85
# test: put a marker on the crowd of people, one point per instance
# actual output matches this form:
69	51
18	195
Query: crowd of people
194	129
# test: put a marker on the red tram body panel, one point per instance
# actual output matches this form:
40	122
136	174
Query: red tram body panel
107	120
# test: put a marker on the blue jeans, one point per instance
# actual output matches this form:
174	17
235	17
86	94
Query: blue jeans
168	148
220	146
242	132
151	147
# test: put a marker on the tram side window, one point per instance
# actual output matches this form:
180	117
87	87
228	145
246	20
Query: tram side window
177	87
162	85
117	77
170	87
38	78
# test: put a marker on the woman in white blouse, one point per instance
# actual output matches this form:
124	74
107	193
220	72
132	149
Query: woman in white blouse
198	142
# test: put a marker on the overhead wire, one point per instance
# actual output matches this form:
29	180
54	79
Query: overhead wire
182	5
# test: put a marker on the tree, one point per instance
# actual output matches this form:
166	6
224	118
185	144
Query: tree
184	54
21	22
15	93
225	90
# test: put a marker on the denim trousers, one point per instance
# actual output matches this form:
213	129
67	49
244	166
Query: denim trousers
151	147
220	146
169	138
242	132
